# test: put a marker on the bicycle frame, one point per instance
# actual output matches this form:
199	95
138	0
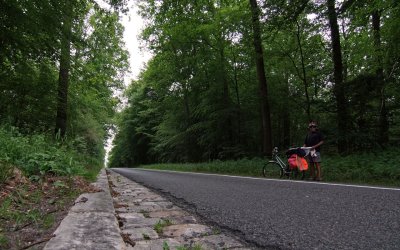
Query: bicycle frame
277	159
286	170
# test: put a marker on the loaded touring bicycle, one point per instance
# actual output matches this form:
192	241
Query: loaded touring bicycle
293	166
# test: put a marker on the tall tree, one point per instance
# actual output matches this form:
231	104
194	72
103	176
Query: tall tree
72	44
65	63
262	80
205	68
380	81
303	70
338	89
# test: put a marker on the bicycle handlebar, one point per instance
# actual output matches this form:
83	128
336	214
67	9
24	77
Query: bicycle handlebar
306	149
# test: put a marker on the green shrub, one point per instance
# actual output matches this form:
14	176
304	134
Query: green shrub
37	155
6	170
380	167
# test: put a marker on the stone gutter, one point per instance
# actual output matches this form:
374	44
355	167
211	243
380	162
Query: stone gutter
90	223
128	216
149	221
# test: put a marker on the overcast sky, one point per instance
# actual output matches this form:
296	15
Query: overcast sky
133	25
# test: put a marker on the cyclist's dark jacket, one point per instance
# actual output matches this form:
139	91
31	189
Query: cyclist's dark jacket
313	138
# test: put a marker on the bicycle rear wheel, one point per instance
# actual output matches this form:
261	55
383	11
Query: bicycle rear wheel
272	170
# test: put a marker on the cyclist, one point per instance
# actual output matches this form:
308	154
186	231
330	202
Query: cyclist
314	139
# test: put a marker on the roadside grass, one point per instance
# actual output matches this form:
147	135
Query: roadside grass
3	239
243	167
381	167
30	211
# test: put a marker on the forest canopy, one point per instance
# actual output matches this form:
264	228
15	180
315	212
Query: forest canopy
232	79
61	63
227	80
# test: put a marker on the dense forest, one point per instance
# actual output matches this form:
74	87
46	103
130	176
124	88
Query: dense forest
61	63
228	80
233	79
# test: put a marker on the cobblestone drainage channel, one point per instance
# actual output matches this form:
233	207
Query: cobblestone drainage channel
149	221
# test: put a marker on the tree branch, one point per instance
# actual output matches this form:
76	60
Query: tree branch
346	5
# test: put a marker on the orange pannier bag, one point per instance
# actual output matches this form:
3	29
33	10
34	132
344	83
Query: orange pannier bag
299	162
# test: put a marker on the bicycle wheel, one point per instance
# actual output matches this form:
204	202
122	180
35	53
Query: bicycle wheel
272	170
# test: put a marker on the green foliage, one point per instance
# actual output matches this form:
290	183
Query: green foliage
37	155
376	167
30	61
198	98
3	241
159	226
6	170
165	246
48	221
245	167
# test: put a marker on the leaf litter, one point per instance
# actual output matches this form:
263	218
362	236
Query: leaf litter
30	211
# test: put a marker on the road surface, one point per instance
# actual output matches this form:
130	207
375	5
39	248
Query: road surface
284	214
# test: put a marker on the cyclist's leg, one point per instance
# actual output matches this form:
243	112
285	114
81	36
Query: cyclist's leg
318	168
311	165
317	161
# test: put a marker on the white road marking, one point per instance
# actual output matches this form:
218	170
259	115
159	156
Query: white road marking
278	180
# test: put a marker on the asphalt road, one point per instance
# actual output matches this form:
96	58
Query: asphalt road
276	214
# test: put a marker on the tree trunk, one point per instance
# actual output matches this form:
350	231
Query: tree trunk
303	67
263	88
239	109
226	96
286	117
383	114
63	80
346	56
339	91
